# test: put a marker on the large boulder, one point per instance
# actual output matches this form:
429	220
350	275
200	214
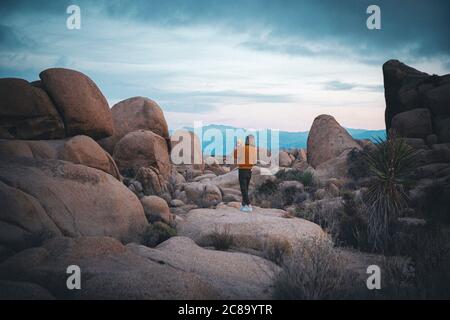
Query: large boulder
156	209
26	112
84	150
109	270
142	148
397	75
79	149
153	183
415	123
44	198
442	128
235	275
249	230
80	102
227	180
438	100
203	194
327	140
284	159
133	114
409	90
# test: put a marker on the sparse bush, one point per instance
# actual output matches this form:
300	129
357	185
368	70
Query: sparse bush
221	239
289	195
305	177
268	187
347	226
300	197
357	167
314	271
391	163
276	250
431	261
157	233
352	225
398	279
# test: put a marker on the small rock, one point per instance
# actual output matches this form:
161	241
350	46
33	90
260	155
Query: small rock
176	203
156	209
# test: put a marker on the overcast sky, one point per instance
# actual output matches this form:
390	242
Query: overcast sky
254	64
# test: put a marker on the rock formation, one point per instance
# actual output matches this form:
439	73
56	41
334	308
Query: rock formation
142	149
53	197
26	112
417	104
327	140
79	150
252	231
133	114
81	104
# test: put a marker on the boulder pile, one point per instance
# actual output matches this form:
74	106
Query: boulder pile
417	104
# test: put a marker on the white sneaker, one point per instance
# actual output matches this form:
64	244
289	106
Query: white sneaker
245	209
242	208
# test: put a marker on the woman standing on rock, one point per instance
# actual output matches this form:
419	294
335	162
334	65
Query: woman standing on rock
246	159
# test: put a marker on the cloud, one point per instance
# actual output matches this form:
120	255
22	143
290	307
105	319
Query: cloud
336	85
10	38
417	27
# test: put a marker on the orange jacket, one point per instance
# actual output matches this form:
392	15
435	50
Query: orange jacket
245	157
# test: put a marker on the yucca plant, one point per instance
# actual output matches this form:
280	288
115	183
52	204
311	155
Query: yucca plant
391	162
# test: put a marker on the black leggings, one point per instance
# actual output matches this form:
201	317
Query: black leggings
244	181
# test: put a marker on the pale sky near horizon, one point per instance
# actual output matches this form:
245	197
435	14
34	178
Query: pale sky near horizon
250	63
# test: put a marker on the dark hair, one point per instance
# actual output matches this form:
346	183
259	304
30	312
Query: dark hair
250	140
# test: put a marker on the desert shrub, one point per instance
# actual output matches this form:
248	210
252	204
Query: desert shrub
352	225
357	167
397	279
306	214
268	195
276	250
435	203
305	177
221	238
347	226
427	266
431	262
314	270
350	185
300	198
390	163
289	194
268	187
157	233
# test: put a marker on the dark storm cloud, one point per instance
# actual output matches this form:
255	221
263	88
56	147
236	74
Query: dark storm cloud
11	38
422	25
419	27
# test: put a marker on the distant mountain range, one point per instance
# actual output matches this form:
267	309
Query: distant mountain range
297	139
